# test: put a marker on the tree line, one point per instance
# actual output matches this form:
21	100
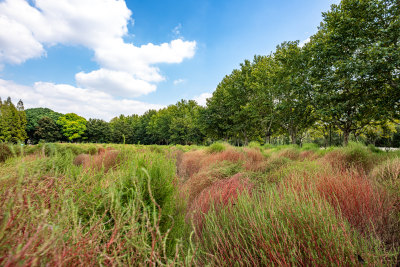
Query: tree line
342	84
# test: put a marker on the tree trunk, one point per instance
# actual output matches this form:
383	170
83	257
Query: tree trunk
346	134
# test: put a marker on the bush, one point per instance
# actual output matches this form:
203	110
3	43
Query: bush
5	152
310	146
254	144
216	147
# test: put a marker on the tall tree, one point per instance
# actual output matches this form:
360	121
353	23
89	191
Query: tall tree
47	130
295	113
355	63
98	131
34	115
73	126
12	122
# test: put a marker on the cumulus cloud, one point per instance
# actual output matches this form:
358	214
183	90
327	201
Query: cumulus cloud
202	99
17	43
99	25
66	98
119	82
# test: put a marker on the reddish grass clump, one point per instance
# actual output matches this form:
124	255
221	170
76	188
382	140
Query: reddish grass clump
290	153
220	194
255	160
230	155
106	159
81	159
190	164
308	155
366	208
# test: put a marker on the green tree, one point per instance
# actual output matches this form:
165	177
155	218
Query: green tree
295	113
12	122
47	130
34	115
98	131
72	126
355	59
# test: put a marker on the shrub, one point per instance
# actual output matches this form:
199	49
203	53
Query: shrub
216	147
5	152
254	144
310	146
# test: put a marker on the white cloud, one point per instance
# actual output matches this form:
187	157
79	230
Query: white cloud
16	42
302	43
66	98
99	25
202	99
178	81
117	83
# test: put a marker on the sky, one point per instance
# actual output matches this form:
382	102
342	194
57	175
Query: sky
103	58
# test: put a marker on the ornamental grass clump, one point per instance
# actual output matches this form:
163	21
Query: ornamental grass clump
220	194
284	227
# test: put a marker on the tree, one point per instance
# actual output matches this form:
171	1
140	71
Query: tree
295	113
47	130
34	115
12	122
98	131
72	126
355	63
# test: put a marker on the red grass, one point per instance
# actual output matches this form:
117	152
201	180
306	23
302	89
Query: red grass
107	159
190	163
365	207
289	153
255	160
230	155
220	194
308	155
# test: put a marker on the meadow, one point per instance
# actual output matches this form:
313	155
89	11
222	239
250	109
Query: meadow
135	205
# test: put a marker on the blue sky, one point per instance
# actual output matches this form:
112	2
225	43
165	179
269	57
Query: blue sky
101	58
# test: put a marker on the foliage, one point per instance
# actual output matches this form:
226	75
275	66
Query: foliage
12	121
34	115
354	64
72	125
98	131
47	130
5	152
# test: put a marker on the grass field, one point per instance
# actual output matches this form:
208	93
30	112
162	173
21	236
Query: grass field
112	205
